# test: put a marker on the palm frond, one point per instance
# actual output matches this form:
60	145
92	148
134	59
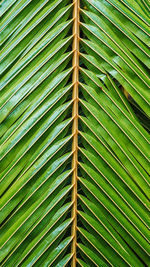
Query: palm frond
36	133
74	133
114	148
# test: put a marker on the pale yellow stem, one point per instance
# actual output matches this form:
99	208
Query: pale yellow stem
75	80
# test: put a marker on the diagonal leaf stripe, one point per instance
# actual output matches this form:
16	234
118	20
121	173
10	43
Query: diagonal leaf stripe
74	133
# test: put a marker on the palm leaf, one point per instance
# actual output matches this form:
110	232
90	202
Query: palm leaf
114	150
74	116
36	133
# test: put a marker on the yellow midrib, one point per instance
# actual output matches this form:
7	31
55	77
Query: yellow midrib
75	80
